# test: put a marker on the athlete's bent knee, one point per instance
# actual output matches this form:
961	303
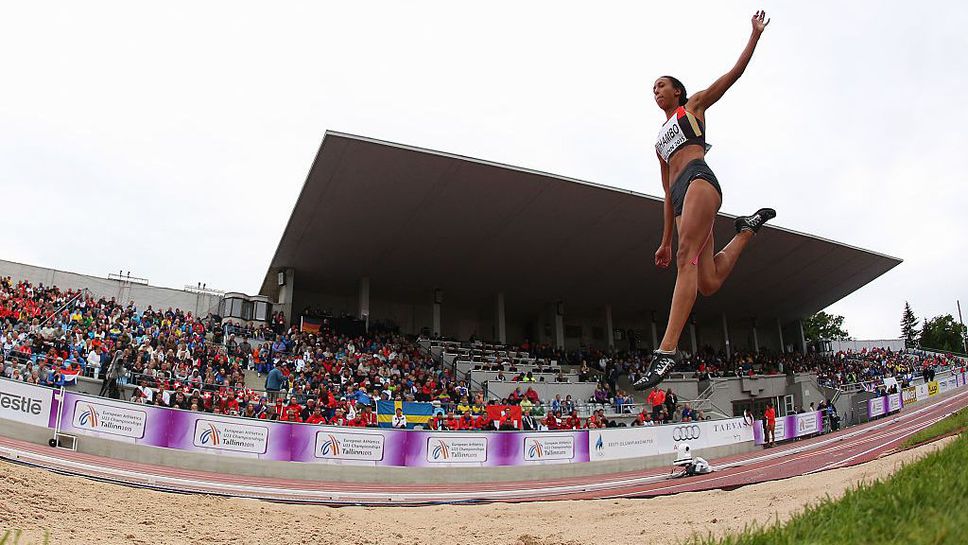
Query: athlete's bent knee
708	288
687	254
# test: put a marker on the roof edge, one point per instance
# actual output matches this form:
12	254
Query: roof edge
561	178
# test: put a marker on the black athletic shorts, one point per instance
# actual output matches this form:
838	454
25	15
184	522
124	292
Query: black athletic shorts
695	169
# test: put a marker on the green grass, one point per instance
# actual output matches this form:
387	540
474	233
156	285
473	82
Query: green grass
953	423
12	537
925	502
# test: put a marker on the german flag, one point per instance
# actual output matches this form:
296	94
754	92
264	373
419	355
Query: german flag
310	325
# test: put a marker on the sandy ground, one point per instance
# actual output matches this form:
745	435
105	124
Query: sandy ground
76	510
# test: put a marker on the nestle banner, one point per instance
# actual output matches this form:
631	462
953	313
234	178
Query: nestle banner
27	403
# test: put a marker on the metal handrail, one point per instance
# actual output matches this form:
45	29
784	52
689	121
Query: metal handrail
72	299
128	278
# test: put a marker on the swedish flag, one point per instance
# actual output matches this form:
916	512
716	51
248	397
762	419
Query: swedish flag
416	412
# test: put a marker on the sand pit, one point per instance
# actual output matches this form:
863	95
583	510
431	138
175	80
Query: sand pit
77	510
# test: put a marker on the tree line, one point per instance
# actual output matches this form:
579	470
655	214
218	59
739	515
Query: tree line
942	333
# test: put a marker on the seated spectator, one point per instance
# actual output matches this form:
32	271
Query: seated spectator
687	413
399	419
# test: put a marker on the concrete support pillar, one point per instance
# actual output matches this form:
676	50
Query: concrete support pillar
655	333
729	351
364	313
609	328
286	280
500	324
756	339
779	329
692	334
803	338
438	300
559	312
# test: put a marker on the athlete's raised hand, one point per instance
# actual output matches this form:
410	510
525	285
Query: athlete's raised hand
760	21
663	256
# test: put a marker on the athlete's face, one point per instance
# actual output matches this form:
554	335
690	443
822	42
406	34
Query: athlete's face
665	94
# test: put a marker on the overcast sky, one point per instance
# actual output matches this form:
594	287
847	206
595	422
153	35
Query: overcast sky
173	142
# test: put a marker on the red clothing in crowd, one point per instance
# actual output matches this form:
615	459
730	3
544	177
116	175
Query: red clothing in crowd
366	419
340	421
573	422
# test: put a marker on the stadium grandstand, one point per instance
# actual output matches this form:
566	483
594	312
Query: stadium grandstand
447	246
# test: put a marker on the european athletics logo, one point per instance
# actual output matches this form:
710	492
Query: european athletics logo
211	434
331	447
441	451
89	418
535	450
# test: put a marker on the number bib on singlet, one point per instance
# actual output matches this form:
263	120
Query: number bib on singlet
670	138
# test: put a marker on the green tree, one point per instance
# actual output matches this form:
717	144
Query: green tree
943	333
909	326
823	326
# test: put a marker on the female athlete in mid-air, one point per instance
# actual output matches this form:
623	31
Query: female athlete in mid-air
692	198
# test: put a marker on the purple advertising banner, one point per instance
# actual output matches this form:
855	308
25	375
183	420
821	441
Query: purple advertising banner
791	426
348	446
225	435
273	440
879	406
115	420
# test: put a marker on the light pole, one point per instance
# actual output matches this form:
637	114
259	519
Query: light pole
964	336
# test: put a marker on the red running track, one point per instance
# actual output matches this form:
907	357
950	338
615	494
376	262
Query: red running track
844	448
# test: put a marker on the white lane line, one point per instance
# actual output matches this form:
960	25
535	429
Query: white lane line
845	460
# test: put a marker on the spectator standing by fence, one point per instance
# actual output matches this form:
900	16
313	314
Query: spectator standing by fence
657	399
770	425
274	382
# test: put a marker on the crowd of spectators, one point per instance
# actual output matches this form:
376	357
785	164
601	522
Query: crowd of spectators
175	359
864	367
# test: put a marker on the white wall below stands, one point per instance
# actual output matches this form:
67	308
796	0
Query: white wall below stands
143	296
580	392
856	346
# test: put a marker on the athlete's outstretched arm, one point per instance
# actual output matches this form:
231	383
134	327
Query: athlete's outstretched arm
702	100
663	256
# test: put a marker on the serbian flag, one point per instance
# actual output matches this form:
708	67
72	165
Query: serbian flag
70	375
416	412
310	325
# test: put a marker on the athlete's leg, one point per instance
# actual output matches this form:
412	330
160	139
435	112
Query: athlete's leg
714	269
694	226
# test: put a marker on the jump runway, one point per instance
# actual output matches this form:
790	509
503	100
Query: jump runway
844	448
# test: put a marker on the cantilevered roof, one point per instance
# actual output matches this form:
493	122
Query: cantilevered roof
412	220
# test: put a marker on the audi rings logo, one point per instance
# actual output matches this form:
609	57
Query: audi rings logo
685	433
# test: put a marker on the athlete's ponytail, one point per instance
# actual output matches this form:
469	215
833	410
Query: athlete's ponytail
677	85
